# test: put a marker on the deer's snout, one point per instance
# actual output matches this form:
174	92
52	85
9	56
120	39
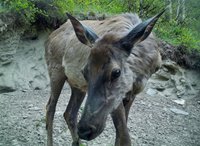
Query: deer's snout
86	131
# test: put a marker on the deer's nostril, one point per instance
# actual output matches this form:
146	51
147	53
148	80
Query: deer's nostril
86	132
92	128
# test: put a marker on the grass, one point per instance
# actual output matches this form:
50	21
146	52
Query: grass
177	35
168	31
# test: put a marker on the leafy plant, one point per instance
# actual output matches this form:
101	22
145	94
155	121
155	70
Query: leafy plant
187	34
24	9
178	35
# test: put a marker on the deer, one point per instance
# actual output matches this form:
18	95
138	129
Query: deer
109	60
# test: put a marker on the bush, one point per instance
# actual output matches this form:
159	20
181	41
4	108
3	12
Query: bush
25	10
36	12
178	35
51	13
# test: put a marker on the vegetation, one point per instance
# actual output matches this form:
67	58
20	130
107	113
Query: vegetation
25	9
180	25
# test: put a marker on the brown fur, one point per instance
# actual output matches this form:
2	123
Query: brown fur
66	58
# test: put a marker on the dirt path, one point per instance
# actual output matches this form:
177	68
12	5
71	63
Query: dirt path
155	120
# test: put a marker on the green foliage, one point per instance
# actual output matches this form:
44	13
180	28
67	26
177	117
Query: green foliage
84	6
178	34
194	14
64	5
24	9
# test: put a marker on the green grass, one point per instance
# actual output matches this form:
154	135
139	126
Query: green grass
168	31
178	35
171	32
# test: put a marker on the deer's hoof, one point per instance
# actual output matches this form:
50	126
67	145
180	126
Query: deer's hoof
75	143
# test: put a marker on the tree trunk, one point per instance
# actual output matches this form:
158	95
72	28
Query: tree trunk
168	13
141	8
180	13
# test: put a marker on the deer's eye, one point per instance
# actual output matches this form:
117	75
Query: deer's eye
115	74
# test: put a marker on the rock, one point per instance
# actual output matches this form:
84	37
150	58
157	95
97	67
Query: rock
179	101
25	117
19	52
151	92
6	82
143	103
34	108
5	89
160	88
171	66
171	76
178	111
15	142
162	75
9	40
30	105
22	65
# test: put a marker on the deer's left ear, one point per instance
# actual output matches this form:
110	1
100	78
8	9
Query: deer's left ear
84	34
138	34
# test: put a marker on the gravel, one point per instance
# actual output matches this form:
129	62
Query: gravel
151	121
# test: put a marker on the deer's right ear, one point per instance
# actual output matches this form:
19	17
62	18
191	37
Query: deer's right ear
139	33
84	34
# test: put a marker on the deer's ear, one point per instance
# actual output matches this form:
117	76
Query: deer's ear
139	33
84	34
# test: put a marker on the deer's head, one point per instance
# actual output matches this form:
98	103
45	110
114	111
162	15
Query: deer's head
107	73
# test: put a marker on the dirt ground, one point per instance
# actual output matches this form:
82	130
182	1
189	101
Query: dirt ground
157	118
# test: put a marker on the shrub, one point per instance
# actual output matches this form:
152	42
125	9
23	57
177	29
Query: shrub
25	10
178	35
51	13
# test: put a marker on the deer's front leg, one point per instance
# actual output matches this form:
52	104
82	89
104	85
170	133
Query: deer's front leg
119	120
57	79
71	112
127	102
